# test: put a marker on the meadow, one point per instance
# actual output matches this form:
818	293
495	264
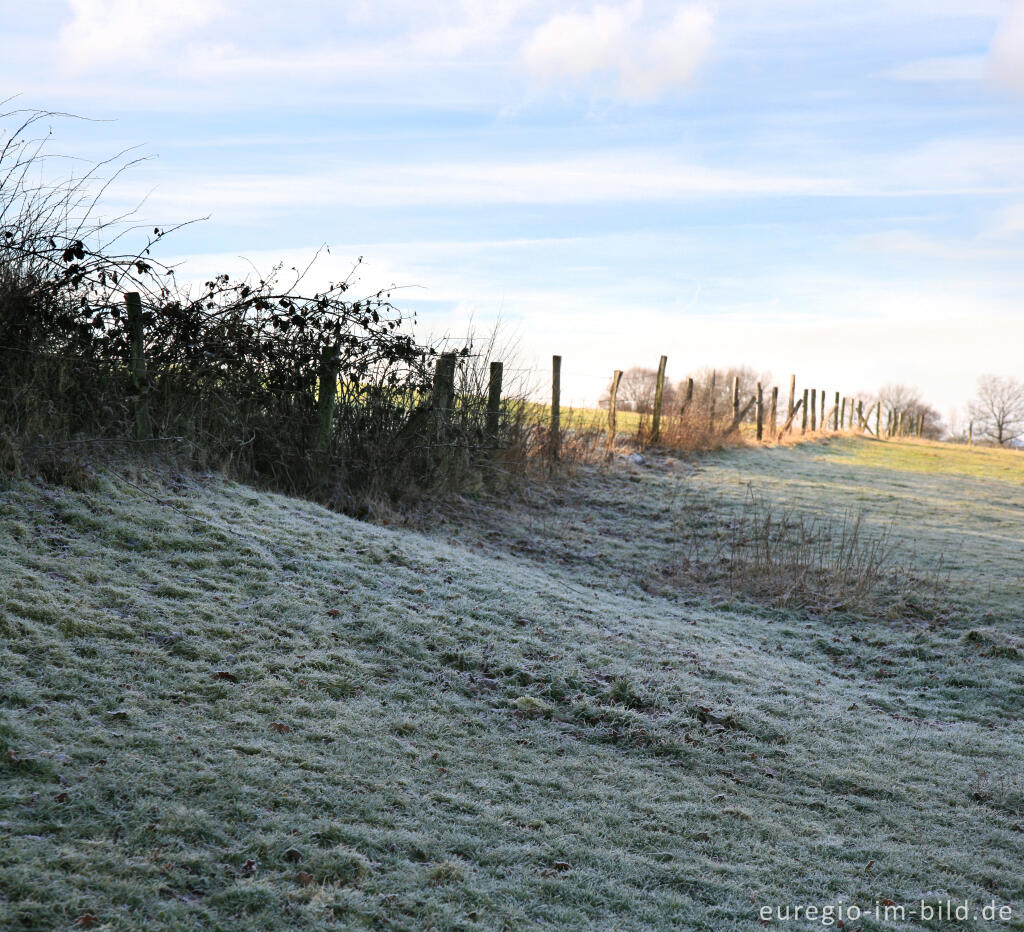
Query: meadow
223	708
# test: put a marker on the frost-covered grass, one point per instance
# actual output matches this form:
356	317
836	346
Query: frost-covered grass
226	709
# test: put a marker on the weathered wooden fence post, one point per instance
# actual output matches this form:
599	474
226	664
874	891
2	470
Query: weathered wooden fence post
613	396
735	396
659	394
835	417
860	415
814	410
760	413
494	400
878	421
789	420
326	397
970	434
920	426
804	417
687	397
742	413
899	424
140	378
556	407
792	395
711	400
773	423
821	419
842	414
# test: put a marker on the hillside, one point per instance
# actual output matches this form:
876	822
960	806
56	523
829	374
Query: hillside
221	708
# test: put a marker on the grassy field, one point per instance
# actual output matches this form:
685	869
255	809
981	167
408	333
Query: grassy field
221	709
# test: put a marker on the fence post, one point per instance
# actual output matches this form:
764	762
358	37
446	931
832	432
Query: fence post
789	420
760	413
556	409
735	396
688	397
494	400
899	424
444	388
878	421
612	401
822	419
711	400
920	426
970	434
792	395
140	378
803	419
814	410
659	394
773	423
860	415
326	394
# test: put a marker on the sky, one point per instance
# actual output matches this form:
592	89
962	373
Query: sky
825	187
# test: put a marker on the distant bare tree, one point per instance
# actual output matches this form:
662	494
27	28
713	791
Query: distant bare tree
907	398
636	390
998	409
748	379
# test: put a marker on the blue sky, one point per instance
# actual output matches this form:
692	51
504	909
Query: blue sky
832	188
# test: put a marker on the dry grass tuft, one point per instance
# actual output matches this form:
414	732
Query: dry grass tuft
823	563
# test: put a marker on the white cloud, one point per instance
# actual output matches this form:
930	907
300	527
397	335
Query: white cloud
112	33
1007	52
643	57
941	69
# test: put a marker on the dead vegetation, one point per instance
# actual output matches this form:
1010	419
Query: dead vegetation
785	557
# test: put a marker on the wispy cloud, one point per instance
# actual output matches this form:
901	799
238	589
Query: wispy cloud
1007	52
637	56
115	33
941	69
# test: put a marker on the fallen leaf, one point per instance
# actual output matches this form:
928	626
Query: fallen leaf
304	877
249	868
86	920
225	675
333	612
293	855
562	866
869	865
61	798
280	727
702	836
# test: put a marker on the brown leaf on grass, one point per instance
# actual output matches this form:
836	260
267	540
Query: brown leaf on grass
249	868
86	920
293	855
304	877
280	727
333	612
225	675
61	798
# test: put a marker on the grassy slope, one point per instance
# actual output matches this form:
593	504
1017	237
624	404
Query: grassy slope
499	723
